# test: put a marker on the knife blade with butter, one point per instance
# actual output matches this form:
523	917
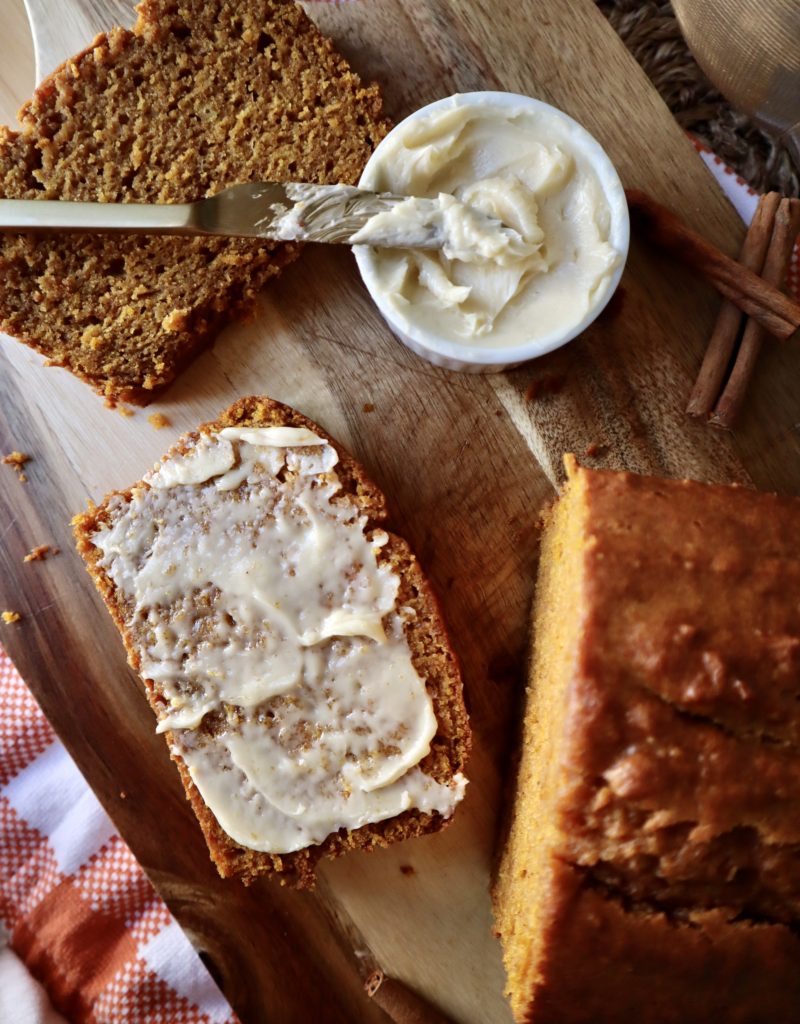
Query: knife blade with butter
286	211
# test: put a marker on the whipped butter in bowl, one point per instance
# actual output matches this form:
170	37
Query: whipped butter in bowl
488	300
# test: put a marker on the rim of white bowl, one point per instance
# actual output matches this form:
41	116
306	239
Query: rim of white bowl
619	237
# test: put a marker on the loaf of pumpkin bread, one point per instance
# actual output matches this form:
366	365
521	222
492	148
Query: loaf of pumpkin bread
651	870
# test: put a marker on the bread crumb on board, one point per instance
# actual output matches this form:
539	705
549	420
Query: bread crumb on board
8	617
117	405
17	460
368	407
40	552
159	420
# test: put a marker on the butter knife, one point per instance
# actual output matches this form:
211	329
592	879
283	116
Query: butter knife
279	211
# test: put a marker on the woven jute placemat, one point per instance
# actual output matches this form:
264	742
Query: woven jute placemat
650	31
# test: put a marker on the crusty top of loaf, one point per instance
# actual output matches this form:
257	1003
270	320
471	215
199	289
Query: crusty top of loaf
679	750
200	95
695	592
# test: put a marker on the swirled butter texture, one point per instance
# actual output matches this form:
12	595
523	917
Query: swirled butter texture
525	167
269	625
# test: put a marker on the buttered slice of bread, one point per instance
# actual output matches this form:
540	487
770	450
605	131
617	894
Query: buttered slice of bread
200	95
290	646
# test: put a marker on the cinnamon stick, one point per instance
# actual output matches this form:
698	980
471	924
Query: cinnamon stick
776	265
766	304
400	1003
726	330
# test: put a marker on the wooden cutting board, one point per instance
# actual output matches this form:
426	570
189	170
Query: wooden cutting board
467	463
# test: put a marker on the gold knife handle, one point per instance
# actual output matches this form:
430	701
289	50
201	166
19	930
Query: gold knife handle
26	215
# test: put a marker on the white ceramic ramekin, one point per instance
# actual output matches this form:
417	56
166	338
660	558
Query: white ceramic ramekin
485	359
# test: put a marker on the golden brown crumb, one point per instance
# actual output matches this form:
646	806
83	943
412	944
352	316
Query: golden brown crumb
159	420
9	617
368	407
39	553
407	869
16	459
124	410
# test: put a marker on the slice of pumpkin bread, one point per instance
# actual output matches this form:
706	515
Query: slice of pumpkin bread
652	865
202	94
290	647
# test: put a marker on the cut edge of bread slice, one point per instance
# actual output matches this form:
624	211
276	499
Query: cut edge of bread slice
431	652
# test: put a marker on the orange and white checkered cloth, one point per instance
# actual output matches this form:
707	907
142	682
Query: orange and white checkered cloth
78	910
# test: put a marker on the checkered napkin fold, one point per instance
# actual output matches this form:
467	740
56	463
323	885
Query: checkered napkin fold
78	912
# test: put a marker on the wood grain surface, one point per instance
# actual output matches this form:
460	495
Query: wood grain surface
59	32
467	462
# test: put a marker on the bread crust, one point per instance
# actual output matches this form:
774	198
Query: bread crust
608	962
431	651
